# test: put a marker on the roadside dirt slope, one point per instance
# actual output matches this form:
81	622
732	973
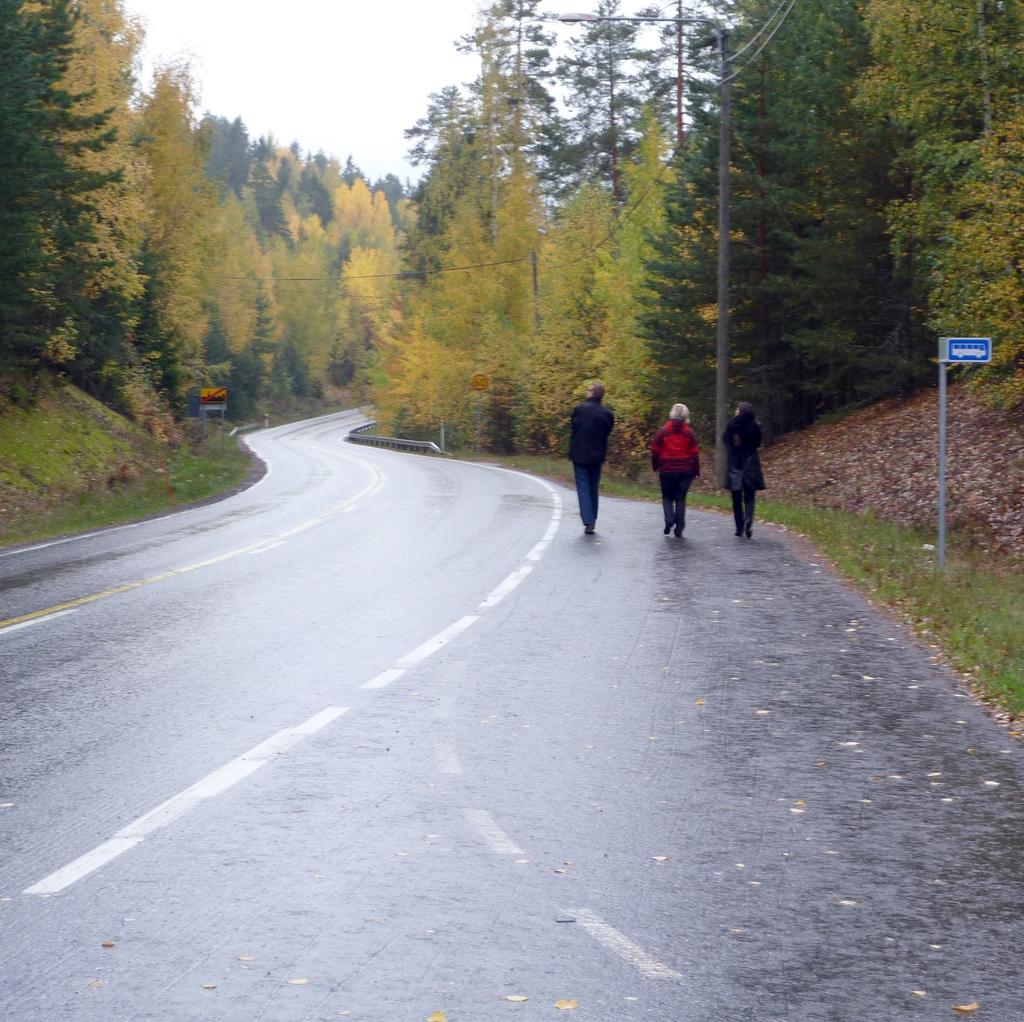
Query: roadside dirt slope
884	459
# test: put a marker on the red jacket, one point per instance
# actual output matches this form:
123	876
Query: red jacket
674	449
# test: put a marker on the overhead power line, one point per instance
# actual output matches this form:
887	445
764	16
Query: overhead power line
763	46
403	274
752	41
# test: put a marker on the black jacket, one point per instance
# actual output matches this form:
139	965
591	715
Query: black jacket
742	438
591	423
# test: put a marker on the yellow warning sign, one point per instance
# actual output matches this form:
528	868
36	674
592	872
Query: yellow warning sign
213	395
480	382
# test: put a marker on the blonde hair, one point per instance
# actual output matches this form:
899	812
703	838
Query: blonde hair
680	412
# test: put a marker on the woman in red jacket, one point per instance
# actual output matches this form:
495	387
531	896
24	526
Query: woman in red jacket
675	456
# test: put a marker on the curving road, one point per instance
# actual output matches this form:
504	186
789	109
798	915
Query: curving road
386	736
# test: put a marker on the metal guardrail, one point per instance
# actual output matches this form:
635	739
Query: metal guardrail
360	436
246	428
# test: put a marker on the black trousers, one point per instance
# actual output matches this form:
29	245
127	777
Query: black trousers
674	487
743	504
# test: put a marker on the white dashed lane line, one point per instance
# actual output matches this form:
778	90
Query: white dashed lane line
241	767
621	945
167	812
487	827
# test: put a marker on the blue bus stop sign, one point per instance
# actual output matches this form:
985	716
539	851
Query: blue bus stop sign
965	349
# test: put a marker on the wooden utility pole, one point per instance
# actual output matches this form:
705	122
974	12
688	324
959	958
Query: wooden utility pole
722	342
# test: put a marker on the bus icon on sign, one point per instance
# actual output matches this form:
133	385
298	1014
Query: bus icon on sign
965	349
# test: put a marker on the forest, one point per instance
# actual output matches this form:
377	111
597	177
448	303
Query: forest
564	226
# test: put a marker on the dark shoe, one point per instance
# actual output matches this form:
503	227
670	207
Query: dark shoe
748	532
679	531
739	532
668	528
588	530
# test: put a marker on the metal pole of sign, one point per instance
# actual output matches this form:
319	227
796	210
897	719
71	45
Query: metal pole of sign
942	453
961	351
442	436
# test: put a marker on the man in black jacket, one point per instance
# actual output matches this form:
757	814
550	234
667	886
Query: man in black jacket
588	447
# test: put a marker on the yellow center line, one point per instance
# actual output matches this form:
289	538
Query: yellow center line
128	587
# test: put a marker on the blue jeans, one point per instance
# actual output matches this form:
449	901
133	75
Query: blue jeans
588	478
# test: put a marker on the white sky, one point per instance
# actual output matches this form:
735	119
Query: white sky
345	77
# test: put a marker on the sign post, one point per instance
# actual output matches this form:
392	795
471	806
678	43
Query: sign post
212	399
480	382
959	351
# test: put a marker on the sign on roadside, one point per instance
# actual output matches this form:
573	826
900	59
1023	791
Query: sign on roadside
480	382
956	351
965	349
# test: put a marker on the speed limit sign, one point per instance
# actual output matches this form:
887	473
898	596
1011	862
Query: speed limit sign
480	382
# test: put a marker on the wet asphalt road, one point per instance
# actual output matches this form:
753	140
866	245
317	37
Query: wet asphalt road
386	736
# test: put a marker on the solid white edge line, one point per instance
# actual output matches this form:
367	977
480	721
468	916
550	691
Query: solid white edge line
385	678
431	646
488	828
38	621
610	938
208	787
269	546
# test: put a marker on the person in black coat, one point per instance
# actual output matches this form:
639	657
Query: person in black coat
744	477
590	425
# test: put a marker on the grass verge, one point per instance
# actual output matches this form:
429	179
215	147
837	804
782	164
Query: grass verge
972	613
191	476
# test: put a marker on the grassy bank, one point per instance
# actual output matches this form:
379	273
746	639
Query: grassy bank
172	479
973	612
69	464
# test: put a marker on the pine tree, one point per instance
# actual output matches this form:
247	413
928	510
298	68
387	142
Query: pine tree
230	159
24	160
48	188
601	74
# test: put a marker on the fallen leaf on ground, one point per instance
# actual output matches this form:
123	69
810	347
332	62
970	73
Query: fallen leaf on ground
209	986
438	1016
919	993
847	903
516	998
96	984
108	943
660	858
700	702
246	958
298	982
567	1005
967	1009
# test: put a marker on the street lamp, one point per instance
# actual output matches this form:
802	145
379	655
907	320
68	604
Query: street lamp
724	157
